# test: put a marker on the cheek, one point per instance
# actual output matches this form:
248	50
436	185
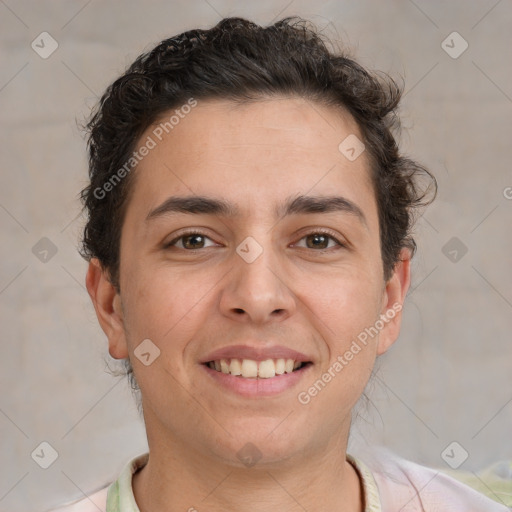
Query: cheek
164	309
345	310
165	305
346	302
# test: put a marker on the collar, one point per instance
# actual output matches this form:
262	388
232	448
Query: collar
120	493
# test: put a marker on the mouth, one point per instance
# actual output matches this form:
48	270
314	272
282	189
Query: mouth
253	379
256	371
252	369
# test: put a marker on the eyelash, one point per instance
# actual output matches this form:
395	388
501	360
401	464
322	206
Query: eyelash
316	232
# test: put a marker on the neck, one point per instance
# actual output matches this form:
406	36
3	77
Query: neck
181	478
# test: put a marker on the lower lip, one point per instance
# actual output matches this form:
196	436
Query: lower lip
257	387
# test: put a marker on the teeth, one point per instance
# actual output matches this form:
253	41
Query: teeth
267	369
235	368
250	369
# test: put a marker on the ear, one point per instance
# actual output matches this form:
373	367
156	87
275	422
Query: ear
107	303
392	302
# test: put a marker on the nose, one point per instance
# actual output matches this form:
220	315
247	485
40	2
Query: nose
257	292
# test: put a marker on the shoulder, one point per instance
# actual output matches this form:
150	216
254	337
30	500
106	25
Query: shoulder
405	485
115	496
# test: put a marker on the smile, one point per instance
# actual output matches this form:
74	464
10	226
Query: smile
251	369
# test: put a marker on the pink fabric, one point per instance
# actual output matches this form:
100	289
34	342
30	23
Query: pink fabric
94	503
408	487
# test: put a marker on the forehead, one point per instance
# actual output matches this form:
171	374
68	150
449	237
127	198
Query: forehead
254	155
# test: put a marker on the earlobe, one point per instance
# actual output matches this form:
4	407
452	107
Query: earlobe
393	299
107	304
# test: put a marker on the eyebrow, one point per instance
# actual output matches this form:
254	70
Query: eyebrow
292	206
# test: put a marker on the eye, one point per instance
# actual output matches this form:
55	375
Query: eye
190	241
194	240
320	240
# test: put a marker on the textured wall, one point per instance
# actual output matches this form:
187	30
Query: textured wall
449	376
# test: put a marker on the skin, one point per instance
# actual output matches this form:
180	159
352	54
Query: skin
190	303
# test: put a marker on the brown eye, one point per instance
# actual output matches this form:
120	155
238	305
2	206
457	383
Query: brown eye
191	241
320	241
317	241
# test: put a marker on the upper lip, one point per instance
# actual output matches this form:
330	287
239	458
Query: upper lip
255	353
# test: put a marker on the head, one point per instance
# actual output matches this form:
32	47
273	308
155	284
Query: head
246	189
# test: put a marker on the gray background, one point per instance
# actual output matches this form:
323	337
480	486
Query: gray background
449	376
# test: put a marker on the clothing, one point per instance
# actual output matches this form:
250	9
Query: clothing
393	485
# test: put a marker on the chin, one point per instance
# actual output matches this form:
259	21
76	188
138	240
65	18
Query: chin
257	443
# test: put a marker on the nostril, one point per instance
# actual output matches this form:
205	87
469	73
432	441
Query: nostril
239	311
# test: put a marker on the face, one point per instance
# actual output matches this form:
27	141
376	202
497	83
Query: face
274	256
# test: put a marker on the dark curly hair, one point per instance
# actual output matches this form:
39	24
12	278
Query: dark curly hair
242	61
